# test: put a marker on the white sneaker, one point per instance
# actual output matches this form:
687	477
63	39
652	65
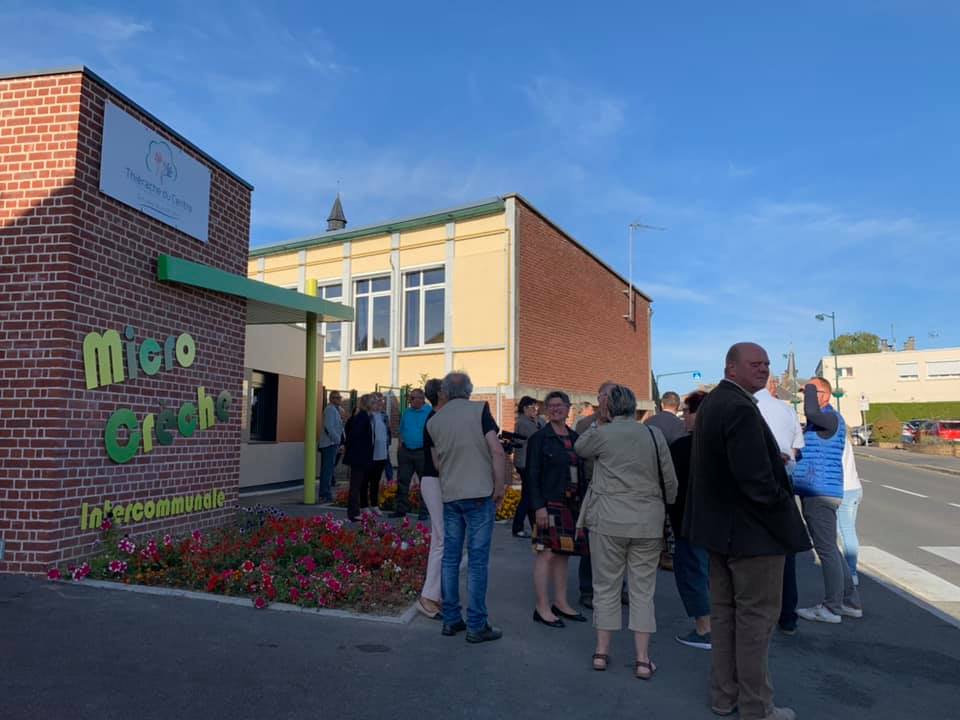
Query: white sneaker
376	510
819	613
850	611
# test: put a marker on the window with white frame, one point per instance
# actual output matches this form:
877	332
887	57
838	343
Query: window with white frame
423	307
846	372
331	331
371	301
943	368
908	371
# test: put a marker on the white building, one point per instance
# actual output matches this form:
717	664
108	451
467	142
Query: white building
905	376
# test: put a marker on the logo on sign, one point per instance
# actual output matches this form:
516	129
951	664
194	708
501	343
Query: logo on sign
160	161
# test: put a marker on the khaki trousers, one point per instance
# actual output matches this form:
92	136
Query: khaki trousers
745	598
611	557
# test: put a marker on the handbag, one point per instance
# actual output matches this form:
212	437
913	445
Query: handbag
656	449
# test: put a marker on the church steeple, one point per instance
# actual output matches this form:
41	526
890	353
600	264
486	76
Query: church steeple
337	220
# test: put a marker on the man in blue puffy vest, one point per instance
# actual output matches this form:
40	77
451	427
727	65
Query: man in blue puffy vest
818	480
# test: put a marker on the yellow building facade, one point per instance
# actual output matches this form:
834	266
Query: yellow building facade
430	296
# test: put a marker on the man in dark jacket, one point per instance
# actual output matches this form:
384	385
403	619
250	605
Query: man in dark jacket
740	508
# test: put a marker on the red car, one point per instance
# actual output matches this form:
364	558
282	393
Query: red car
943	430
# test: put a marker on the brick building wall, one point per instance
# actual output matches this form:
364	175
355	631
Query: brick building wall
571	333
72	261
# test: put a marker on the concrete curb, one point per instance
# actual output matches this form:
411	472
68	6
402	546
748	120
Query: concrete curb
932	468
907	594
405	618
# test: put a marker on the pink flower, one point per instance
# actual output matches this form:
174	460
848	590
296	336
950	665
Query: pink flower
338	554
53	574
81	572
106	525
247	566
127	545
117	567
197	535
259	603
294	595
167	540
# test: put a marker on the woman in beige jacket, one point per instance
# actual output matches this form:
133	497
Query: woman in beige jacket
623	510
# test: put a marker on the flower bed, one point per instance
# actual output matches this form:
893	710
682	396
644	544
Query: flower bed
388	499
371	567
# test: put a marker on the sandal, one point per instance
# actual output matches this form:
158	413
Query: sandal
600	662
650	667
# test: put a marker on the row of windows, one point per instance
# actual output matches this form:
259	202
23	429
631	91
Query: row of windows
423	302
935	369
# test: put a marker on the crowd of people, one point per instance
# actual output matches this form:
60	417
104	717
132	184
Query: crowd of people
730	476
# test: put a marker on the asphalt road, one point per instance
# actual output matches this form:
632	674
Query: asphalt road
70	651
912	516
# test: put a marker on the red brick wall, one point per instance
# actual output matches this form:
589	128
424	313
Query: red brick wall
73	261
571	332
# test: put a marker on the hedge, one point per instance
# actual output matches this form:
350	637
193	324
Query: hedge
916	411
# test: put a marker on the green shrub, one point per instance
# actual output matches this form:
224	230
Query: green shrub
915	411
888	427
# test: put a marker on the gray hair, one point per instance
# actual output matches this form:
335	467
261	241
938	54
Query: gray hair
621	402
457	385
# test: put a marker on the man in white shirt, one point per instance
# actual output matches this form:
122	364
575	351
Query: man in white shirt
784	423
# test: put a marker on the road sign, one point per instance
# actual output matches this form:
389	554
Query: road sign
697	376
864	402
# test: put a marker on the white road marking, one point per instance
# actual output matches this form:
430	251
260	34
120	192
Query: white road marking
908	576
865	480
950	553
905	492
956	505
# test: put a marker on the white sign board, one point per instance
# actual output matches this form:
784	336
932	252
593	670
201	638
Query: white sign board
864	403
141	169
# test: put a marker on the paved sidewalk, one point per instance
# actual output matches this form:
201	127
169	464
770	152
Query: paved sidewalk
940	463
79	652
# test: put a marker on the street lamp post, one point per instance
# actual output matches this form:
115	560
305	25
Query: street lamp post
836	366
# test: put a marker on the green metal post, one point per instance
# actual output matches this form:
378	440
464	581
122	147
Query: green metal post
310	409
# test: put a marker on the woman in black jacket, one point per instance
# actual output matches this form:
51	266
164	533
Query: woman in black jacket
359	457
555	485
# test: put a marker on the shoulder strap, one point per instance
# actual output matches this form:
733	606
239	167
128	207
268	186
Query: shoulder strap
656	449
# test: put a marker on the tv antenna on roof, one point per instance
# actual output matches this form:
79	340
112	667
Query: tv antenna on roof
631	301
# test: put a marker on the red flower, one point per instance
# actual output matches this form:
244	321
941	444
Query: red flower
259	603
106	525
53	574
247	566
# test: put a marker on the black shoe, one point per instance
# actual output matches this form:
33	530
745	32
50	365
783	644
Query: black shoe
450	630
537	617
486	635
586	599
576	617
397	514
788	629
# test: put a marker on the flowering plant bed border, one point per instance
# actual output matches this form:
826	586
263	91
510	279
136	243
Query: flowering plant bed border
403	618
371	568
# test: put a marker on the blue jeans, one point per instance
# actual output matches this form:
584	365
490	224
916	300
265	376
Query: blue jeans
328	462
847	527
691	570
470	520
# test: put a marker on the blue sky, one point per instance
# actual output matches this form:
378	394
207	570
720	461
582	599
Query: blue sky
802	160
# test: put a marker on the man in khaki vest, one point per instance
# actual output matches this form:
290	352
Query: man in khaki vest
462	437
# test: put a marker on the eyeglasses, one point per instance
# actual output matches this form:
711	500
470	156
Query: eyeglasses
556	406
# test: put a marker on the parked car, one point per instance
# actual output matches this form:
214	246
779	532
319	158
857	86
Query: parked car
911	431
861	434
941	430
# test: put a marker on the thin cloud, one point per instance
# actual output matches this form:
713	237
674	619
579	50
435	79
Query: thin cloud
736	172
574	110
677	293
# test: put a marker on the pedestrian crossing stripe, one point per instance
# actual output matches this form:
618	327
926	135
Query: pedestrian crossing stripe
910	577
949	553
